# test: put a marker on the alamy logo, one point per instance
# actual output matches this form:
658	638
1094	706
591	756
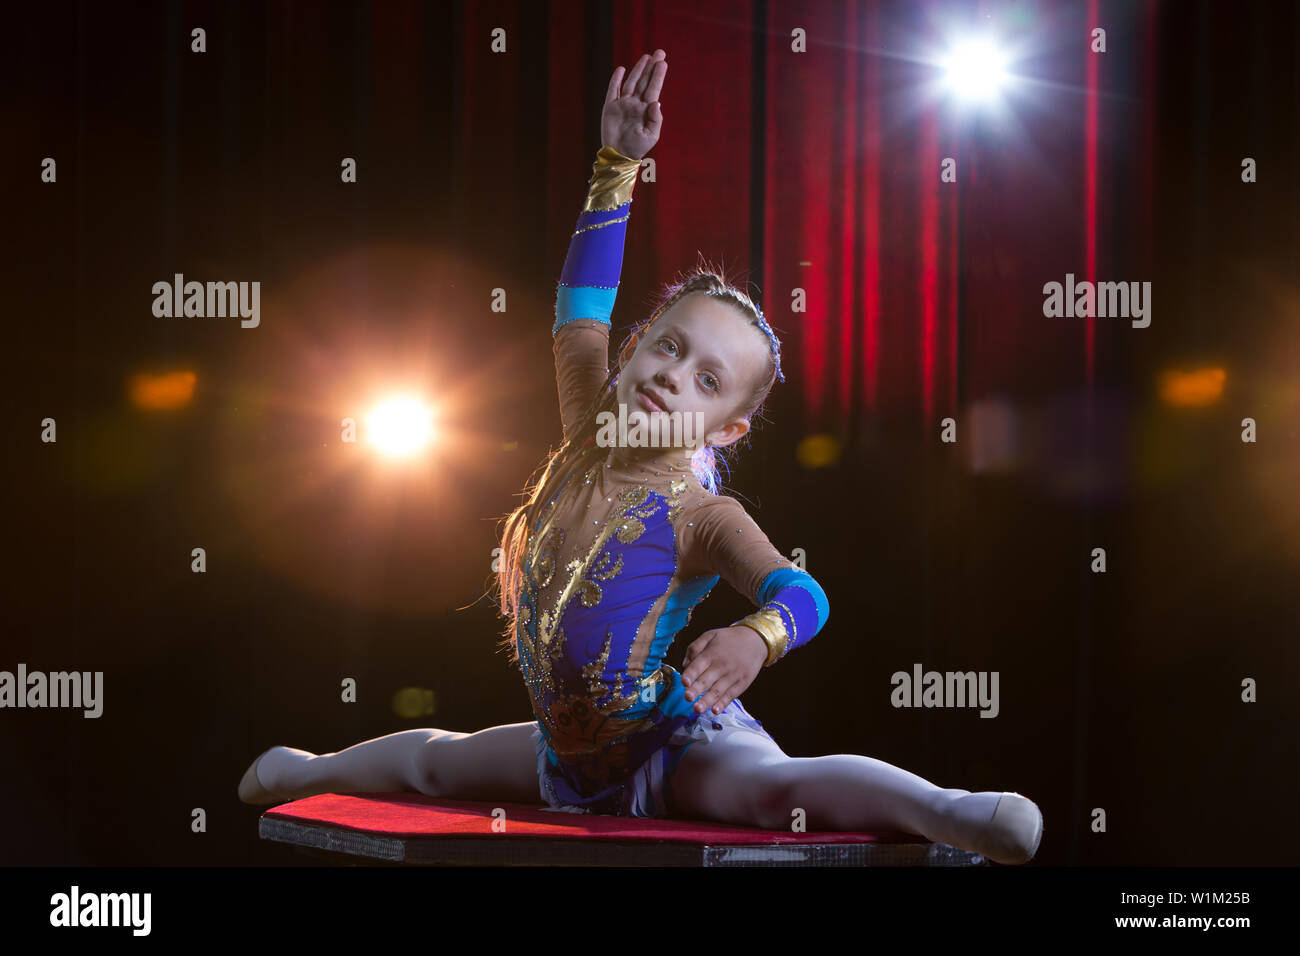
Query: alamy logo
1105	300
663	430
946	689
102	909
57	689
216	299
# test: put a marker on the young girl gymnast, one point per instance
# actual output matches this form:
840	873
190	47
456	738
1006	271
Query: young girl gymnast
603	566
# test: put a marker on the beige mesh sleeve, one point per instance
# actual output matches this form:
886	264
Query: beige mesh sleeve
581	364
719	537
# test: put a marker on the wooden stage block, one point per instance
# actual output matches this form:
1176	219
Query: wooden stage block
409	828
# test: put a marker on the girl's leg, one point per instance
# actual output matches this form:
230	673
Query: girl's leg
745	778
497	763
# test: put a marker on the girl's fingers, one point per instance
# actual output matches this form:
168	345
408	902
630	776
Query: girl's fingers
706	694
612	92
648	75
644	78
719	697
699	684
696	670
727	696
697	647
629	84
657	75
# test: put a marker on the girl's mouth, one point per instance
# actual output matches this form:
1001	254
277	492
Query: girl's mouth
648	403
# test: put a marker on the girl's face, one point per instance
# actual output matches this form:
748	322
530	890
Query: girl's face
702	355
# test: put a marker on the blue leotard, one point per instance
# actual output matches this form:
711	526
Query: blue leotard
618	559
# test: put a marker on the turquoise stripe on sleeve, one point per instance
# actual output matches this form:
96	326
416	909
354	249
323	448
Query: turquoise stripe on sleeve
786	577
583	302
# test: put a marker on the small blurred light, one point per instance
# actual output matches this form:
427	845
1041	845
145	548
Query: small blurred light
1201	387
162	392
412	702
818	451
995	436
510	446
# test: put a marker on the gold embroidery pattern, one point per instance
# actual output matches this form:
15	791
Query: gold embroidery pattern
628	528
605	569
586	724
544	567
675	490
589	591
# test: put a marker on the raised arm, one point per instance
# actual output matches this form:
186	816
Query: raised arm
584	301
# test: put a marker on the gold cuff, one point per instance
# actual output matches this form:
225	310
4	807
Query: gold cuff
767	622
611	181
793	623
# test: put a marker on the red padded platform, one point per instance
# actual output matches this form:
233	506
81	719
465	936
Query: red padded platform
409	828
414	815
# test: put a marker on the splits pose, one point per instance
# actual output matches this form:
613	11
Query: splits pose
605	563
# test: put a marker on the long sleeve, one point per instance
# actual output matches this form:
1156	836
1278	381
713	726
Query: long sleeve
792	607
588	285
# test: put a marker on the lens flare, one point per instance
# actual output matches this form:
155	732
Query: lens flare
400	427
975	69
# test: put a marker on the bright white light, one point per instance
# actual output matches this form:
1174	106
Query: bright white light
401	426
976	70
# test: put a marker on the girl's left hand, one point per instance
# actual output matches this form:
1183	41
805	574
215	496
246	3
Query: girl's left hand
631	119
721	664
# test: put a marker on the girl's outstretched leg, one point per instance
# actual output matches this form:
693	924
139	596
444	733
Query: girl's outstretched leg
744	777
495	763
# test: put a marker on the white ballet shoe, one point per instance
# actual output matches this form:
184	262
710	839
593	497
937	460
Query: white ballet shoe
1013	835
251	789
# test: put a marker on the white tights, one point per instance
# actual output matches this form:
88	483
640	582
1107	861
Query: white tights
738	777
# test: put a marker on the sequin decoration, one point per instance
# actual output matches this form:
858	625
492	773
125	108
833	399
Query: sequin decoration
581	699
589	591
676	489
544	565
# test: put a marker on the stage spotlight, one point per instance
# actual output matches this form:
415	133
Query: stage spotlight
975	69
400	427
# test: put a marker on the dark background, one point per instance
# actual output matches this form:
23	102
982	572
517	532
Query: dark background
816	170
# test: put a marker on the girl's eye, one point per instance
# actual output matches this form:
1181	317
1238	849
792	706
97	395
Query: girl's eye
710	381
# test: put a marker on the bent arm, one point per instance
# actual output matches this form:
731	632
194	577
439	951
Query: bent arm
792	607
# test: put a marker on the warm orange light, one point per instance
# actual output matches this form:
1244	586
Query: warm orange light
1202	387
161	392
401	426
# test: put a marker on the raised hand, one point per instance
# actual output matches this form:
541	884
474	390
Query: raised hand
632	117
